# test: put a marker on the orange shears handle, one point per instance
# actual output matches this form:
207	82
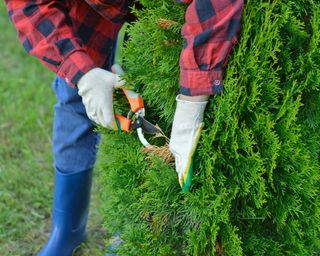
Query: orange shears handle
124	123
135	100
136	103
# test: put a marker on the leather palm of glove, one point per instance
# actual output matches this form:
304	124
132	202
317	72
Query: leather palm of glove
185	134
96	89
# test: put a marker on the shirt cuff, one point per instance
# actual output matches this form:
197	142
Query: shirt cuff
75	66
184	1
198	82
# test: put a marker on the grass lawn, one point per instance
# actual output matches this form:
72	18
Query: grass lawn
26	173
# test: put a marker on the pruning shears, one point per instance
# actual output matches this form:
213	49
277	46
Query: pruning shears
135	119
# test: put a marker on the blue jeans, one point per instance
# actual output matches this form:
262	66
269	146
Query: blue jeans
74	141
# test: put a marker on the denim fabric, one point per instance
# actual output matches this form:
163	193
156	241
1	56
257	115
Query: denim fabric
74	141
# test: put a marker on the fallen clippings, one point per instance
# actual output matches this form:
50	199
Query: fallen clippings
161	151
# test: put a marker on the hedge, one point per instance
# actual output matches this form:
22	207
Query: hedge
256	178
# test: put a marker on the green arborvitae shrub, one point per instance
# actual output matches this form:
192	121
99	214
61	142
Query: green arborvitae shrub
256	179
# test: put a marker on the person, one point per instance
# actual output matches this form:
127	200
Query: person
76	40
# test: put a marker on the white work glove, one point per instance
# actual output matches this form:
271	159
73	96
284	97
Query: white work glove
185	134
96	90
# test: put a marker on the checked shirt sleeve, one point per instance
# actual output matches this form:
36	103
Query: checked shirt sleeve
45	32
210	31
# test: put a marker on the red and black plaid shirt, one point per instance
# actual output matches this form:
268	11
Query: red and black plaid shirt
73	36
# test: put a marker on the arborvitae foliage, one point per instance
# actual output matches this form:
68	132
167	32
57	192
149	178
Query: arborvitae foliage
256	178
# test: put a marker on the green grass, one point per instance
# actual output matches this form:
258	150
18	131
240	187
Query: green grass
26	173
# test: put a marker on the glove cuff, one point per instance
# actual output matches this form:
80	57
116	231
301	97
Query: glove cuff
199	98
189	114
87	78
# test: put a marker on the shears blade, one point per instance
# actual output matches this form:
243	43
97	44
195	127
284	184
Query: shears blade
145	125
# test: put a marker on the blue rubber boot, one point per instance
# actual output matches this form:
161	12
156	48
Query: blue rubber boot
70	213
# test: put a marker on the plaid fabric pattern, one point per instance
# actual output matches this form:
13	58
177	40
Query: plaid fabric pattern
73	36
210	31
70	37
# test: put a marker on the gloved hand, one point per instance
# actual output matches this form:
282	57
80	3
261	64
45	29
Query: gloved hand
96	90
185	134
